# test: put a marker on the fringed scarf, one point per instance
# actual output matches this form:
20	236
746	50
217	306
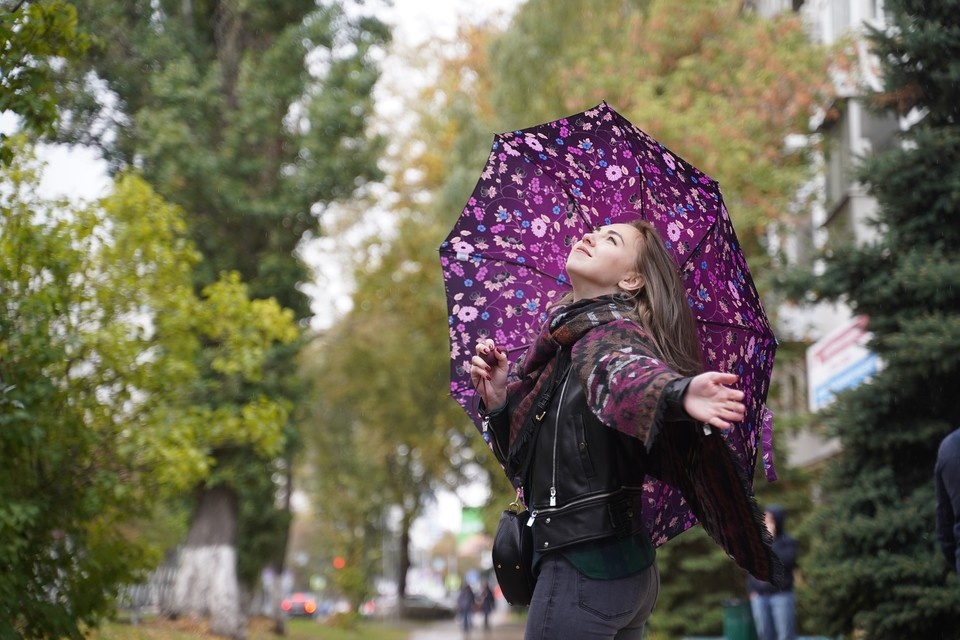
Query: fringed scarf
612	357
623	378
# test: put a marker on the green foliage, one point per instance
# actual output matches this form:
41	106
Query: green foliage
100	345
246	115
386	432
346	485
251	117
875	568
33	35
69	344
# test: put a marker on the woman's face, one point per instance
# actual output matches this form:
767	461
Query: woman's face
603	262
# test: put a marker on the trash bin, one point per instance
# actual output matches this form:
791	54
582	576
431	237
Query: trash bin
738	621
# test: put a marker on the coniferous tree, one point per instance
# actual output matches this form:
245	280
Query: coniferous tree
875	568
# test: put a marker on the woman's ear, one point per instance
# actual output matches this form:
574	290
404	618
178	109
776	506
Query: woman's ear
631	283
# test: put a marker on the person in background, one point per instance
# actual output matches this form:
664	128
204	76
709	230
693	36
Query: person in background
466	603
947	482
487	604
774	608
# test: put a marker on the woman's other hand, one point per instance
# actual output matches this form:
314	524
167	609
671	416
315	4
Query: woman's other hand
488	372
709	399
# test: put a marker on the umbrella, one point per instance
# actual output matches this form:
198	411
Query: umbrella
544	187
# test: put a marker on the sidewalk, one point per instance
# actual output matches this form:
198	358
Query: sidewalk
503	626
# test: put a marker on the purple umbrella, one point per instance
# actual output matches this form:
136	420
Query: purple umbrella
544	187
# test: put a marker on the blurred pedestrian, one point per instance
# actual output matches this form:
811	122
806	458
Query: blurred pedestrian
774	608
487	604
615	370
466	603
947	478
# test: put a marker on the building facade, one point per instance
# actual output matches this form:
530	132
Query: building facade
838	211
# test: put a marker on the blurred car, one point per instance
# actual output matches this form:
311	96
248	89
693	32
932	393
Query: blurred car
299	604
383	606
419	607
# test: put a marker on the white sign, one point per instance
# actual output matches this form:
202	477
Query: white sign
840	360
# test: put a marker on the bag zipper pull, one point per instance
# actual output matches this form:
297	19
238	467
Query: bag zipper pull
553	496
533	514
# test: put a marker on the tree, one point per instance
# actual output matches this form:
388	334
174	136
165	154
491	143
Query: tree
348	502
875	569
32	35
251	116
383	394
100	337
63	551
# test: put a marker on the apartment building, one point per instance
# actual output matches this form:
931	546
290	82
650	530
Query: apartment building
824	344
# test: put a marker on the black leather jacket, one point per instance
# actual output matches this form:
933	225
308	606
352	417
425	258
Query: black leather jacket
585	479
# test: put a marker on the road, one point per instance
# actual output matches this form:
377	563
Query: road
503	626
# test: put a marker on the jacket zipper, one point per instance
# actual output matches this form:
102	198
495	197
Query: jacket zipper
556	438
556	435
596	496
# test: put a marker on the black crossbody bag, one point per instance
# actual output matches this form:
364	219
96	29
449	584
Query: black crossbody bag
513	542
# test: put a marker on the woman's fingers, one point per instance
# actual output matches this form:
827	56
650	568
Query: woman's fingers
479	368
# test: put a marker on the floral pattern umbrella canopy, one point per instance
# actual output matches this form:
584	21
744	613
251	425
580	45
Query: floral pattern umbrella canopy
541	189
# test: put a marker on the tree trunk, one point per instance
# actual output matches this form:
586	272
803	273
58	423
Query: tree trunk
206	582
279	618
404	564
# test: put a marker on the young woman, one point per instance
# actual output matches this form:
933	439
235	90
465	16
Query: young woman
616	365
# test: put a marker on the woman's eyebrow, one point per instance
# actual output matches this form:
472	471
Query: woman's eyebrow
611	232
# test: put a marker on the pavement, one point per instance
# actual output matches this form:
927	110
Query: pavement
504	625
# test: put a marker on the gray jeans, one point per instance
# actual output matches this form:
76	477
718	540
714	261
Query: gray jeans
567	605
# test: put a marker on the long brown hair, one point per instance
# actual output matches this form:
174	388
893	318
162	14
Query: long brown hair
661	304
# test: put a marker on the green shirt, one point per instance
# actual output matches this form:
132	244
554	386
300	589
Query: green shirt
612	558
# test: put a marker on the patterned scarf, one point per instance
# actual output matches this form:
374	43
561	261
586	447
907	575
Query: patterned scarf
623	378
613	358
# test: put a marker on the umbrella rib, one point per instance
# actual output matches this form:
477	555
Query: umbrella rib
766	333
507	260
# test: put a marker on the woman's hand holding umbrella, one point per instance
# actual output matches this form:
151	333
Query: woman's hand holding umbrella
709	399
488	372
